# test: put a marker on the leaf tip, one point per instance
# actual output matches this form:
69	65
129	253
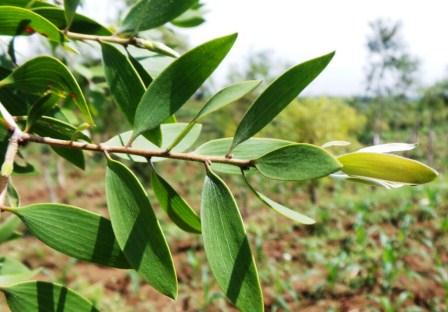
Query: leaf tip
172	294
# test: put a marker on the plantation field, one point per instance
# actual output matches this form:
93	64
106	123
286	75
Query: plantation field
371	249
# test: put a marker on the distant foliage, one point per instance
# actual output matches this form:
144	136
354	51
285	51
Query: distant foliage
336	120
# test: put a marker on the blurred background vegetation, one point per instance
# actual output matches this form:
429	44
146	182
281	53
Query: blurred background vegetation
370	250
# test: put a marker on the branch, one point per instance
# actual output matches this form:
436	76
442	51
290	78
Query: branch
11	152
242	163
150	45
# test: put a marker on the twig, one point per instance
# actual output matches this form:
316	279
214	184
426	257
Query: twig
242	163
150	45
22	137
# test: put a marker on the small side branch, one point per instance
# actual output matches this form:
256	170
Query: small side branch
11	152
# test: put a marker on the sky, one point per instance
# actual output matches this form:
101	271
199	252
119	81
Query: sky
296	30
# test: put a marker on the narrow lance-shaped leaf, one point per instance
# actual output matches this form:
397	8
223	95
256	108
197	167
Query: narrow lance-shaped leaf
8	229
51	127
20	21
147	14
13	272
142	72
227	247
191	18
126	86
26	3
12	194
11	279
41	107
124	82
45	73
137	230
12	50
22	167
11	266
80	24
178	82
277	96
279	208
297	162
175	206
224	97
386	167
37	296
70	7
73	231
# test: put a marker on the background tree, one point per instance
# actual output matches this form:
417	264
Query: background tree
432	114
391	74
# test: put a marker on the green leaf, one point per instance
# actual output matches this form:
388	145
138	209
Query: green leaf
124	82
40	108
169	133
16	102
22	167
9	228
248	150
26	3
191	18
74	231
12	272
137	230
70	7
297	162
11	279
227	247
277	96
142	72
178	82
387	167
13	195
54	128
283	210
226	96
19	21
4	140
37	296
80	24
45	73
10	266
175	206
154	136
147	14
126	85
